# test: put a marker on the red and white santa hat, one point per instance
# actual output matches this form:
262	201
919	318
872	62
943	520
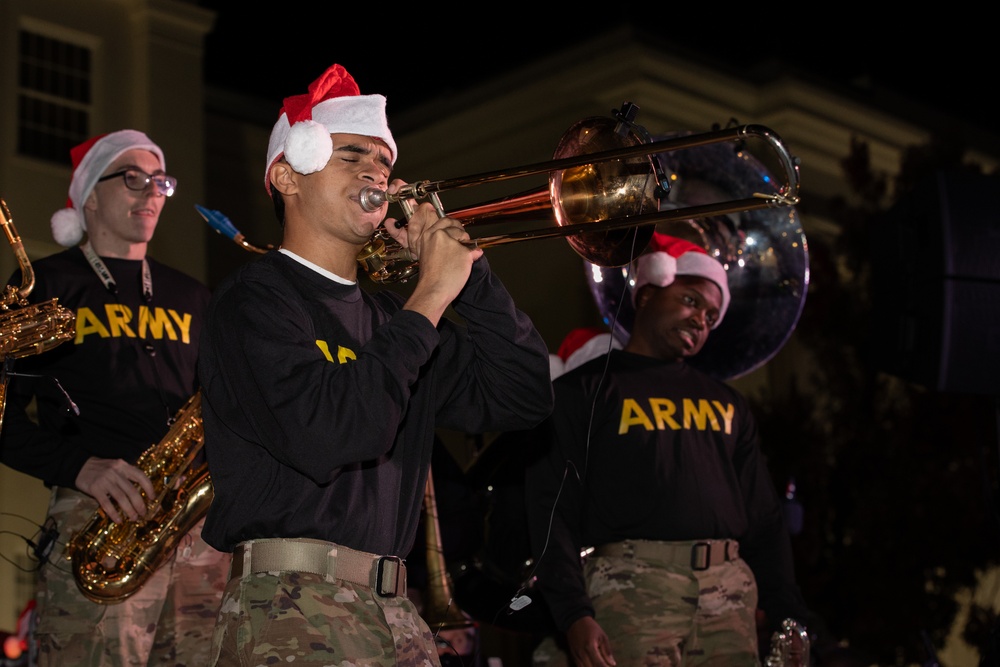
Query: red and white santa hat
669	256
90	159
580	346
334	104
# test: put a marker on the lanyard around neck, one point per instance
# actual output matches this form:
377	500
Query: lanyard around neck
147	293
101	269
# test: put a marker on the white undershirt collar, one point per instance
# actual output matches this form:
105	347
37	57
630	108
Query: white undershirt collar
318	269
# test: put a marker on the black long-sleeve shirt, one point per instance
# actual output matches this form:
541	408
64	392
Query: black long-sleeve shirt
321	400
652	450
129	368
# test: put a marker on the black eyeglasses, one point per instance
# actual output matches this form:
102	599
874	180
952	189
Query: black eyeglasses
140	180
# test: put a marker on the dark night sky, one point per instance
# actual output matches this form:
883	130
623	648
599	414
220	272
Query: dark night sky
270	54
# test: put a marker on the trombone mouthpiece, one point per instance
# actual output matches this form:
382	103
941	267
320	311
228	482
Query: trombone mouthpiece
372	199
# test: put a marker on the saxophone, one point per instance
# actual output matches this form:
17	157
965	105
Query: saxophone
111	561
25	328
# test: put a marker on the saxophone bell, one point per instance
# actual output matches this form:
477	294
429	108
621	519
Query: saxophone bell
112	561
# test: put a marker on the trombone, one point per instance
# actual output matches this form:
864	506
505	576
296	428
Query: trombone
604	178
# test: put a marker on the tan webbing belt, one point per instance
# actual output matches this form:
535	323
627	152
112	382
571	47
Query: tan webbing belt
385	575
698	554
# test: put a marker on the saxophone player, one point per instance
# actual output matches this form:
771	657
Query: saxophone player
128	371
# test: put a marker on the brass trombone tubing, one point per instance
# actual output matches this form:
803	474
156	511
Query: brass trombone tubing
758	201
372	198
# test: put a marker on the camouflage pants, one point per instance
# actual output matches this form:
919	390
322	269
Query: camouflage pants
273	618
669	615
168	621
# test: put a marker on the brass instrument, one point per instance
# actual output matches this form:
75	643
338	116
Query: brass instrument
764	251
25	328
604	190
112	561
440	611
220	223
789	646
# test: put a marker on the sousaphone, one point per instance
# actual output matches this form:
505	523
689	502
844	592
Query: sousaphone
764	252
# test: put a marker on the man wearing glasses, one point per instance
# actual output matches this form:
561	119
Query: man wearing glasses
104	398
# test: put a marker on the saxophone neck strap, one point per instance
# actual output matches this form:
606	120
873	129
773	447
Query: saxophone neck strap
102	271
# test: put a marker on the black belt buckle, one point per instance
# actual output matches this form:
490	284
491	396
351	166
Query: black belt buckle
701	554
381	574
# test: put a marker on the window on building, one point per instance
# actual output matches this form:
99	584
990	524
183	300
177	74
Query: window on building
54	96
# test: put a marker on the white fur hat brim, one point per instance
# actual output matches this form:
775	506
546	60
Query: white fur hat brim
660	269
580	346
306	144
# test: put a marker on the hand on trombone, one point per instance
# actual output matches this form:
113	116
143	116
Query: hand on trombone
445	250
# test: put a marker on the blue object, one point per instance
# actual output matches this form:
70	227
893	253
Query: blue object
218	222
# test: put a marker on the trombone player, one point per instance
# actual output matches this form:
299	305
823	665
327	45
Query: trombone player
321	401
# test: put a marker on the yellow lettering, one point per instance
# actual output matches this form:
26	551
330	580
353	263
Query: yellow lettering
156	323
664	409
184	322
118	318
701	414
633	415
727	414
86	324
343	354
321	344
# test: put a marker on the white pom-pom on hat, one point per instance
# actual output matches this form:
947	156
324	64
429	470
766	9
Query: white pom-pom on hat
67	227
334	104
670	257
308	147
90	159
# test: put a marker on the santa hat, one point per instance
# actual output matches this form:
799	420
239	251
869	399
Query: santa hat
670	256
334	104
90	159
580	346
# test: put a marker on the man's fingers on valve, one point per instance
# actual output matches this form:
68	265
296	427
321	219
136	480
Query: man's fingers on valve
107	504
128	490
142	481
128	500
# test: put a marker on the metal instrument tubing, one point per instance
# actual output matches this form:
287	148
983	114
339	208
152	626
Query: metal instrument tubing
421	189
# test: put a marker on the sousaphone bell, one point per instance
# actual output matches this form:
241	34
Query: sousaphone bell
763	250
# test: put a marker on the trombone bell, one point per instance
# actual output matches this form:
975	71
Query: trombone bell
604	190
